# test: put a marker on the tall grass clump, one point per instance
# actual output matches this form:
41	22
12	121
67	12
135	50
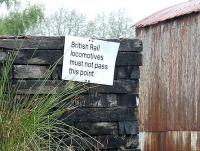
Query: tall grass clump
32	122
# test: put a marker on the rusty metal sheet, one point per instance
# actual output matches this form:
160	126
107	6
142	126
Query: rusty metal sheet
185	8
170	141
169	105
170	76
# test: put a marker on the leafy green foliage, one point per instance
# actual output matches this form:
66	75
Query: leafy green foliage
119	25
70	22
32	123
8	2
17	22
62	22
112	25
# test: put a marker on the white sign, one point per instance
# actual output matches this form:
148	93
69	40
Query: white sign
88	60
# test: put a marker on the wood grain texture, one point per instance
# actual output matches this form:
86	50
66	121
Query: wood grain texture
57	43
109	113
114	114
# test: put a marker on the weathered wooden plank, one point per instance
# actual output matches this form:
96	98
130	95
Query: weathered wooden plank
46	86
113	114
119	86
58	43
36	86
128	58
106	100
1	69
32	43
121	72
98	128
50	56
38	57
50	86
133	149
30	37
97	100
107	142
128	128
127	99
123	142
30	71
10	76
2	56
135	72
128	44
127	72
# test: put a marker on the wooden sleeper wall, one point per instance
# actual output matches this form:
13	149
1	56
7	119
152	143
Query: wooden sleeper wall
108	113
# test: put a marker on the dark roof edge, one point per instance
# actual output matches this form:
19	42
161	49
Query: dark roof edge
175	11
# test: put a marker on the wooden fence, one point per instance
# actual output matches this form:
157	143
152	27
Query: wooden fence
109	113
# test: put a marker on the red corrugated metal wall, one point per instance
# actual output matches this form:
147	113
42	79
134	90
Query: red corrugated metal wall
170	85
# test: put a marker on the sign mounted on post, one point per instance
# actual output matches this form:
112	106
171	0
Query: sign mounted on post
88	60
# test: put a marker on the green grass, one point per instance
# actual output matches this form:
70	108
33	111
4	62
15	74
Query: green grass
32	123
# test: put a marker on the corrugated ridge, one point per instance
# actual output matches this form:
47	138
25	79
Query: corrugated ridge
170	13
